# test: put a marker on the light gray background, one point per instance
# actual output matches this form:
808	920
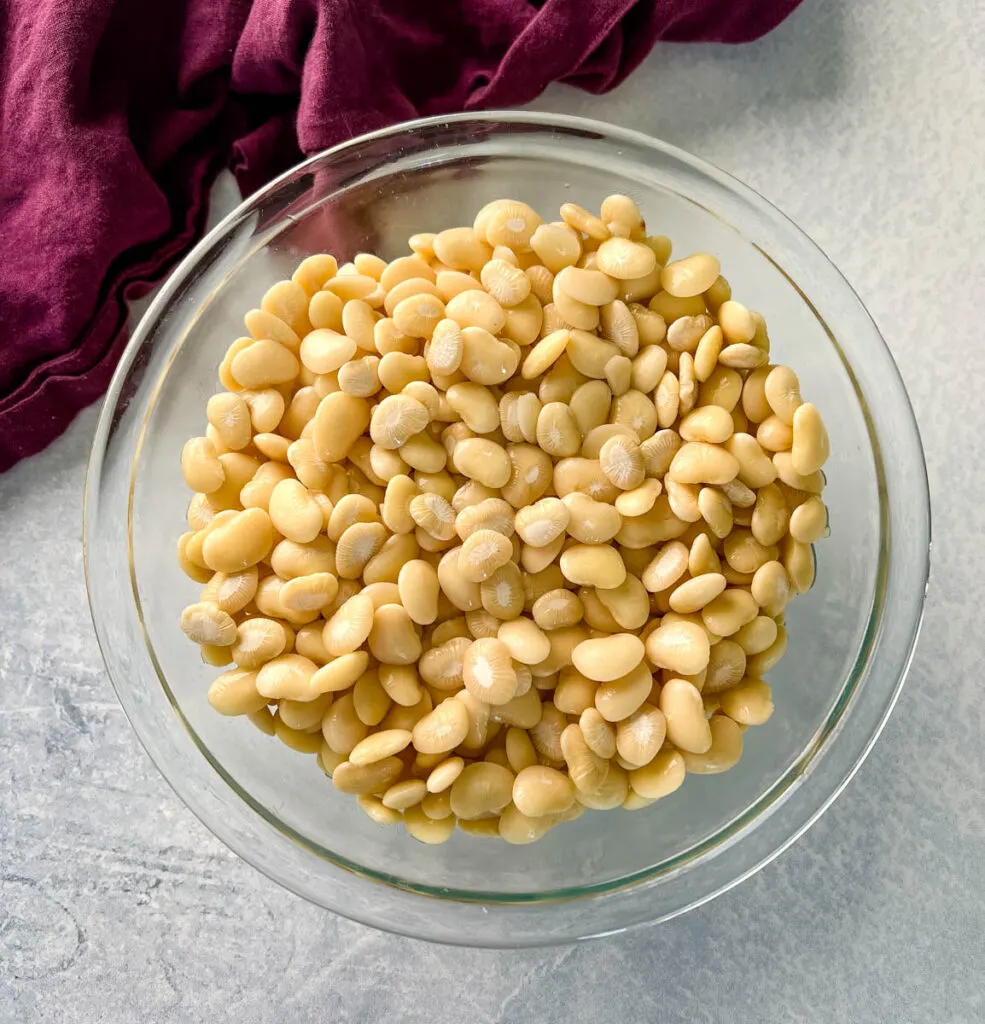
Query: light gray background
864	121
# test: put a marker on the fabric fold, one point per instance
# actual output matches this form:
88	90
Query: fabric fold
115	115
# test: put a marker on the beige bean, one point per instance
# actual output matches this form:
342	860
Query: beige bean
574	692
591	287
598	734
726	667
518	828
628	604
757	636
207	623
340	674
488	671
557	246
580	219
314	271
809	521
357	545
290	676
520	750
619	698
394	638
666	567
294	512
667	398
236	543
338	422
683	499
348	629
706	354
555	609
611	794
622	462
442	729
640	736
621	215
690	276
756	469
624	259
638	500
433	514
774	435
770	518
607	658
542	522
380	745
692	595
418	587
810	447
557	430
200	466
590	405
710	424
573	313
697	462
365	779
686	332
483	460
748	704
729	612
352	286
724	752
369	700
235	693
783	467
539	791
302	742
744	553
782	391
618	325
374	809
723	387
593	565
702	557
545	353
586	769
264	364
428	830
687	727
258	640
798	560
682	647
482	788
660	777
525	641
476	308
444	774
770	587
716	510
229	415
231	592
482	553
518	416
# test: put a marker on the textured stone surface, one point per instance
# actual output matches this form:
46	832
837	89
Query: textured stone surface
863	122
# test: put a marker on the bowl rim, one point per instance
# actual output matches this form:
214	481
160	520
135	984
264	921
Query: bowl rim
733	830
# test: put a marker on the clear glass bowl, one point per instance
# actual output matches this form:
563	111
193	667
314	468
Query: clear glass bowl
851	638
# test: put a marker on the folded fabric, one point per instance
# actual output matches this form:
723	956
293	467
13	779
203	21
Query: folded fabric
115	116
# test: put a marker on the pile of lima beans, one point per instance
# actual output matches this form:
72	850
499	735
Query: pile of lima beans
505	528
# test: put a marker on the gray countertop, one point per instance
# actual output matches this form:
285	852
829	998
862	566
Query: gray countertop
865	123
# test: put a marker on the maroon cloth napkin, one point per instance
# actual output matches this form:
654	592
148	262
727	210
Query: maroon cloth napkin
116	114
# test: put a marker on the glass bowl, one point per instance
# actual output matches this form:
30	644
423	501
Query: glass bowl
851	638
